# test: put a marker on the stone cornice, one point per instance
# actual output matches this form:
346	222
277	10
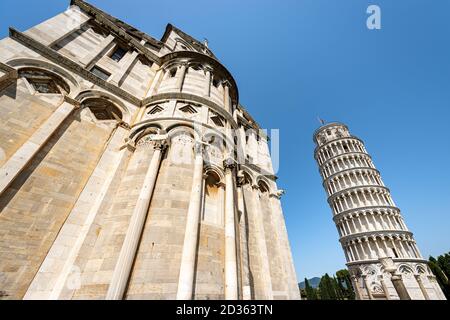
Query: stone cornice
349	170
344	155
363	187
8	70
338	216
335	140
374	233
200	57
10	74
398	260
197	45
54	56
260	170
194	98
111	24
331	124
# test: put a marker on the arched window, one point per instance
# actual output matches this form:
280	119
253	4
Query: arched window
44	82
247	178
263	187
103	109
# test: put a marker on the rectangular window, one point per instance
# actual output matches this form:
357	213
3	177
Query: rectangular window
118	54
102	74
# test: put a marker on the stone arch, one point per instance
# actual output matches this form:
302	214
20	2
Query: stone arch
377	289
263	186
40	78
182	139
150	130
71	81
420	269
217	171
184	43
246	177
183	127
405	269
109	98
102	110
136	133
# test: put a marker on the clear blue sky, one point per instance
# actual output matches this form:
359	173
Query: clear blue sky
295	60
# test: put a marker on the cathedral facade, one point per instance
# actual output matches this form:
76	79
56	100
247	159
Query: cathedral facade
382	256
129	170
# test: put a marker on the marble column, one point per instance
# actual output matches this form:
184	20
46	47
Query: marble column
357	288
246	285
181	72
226	98
261	239
187	268
130	244
207	88
366	284
231	283
399	286
422	287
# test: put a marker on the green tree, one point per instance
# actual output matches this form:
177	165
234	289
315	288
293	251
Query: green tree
310	291
326	288
444	263
345	282
338	289
440	276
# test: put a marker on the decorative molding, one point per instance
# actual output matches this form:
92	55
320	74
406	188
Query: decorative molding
361	188
72	101
71	65
229	163
278	194
260	170
340	139
105	20
10	75
215	64
194	98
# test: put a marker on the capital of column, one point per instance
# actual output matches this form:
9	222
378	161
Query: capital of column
208	68
226	83
158	142
229	163
255	187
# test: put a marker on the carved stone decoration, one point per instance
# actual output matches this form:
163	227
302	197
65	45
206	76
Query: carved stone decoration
240	178
229	163
153	140
213	154
279	193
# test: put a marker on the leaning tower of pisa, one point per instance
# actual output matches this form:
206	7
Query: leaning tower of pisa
371	228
